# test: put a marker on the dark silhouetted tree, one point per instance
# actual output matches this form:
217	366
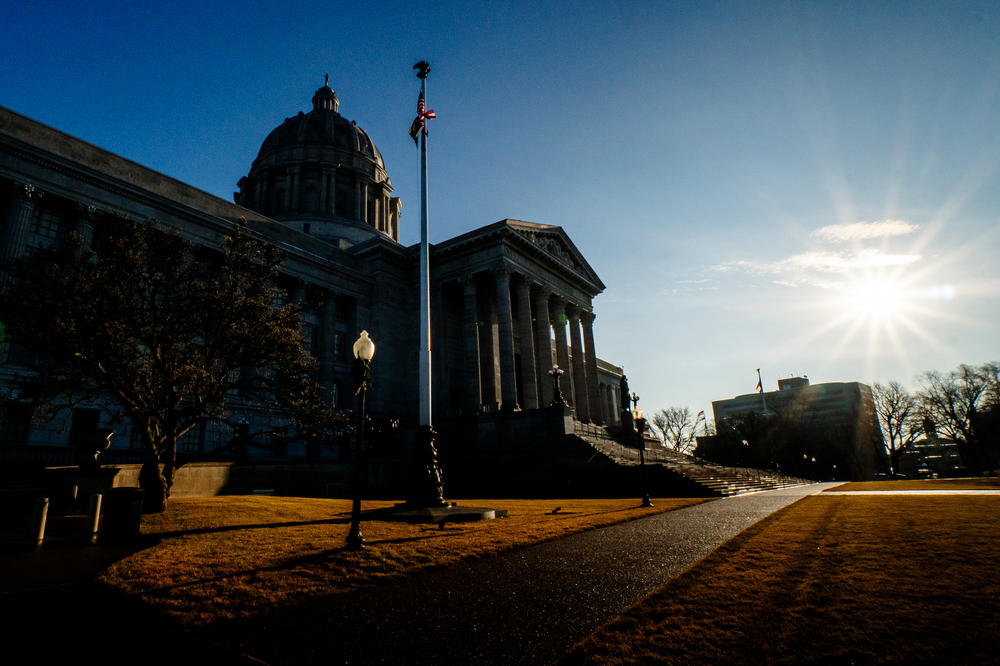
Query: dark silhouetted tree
955	400
171	333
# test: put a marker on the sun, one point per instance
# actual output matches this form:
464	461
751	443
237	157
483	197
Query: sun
875	298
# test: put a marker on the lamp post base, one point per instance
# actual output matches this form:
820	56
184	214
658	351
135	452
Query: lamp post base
355	540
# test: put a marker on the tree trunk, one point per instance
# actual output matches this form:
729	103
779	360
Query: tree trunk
169	461
152	482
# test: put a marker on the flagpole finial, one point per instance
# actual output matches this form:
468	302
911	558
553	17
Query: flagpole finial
422	69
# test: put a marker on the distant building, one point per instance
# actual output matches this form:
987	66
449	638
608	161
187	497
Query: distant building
932	456
842	413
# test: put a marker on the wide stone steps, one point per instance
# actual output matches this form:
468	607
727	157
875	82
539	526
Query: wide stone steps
715	479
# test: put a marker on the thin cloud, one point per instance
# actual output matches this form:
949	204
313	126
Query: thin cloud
864	230
816	268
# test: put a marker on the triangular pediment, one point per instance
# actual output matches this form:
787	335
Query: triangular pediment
546	243
555	243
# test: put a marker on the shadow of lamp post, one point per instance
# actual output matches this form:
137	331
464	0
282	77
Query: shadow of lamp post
364	350
640	428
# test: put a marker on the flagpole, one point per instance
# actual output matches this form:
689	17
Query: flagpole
763	400
425	303
426	484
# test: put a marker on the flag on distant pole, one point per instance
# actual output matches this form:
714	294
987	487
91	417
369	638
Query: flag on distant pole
760	385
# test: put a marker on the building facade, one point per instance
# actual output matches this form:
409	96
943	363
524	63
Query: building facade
509	300
842	414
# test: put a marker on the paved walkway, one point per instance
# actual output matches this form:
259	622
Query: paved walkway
528	606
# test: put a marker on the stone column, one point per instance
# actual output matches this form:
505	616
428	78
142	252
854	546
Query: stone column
260	196
590	361
364	202
580	402
489	353
473	394
530	385
505	333
293	189
324	196
22	210
325	357
543	346
562	354
357	201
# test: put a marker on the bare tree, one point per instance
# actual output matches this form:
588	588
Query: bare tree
899	416
954	400
678	425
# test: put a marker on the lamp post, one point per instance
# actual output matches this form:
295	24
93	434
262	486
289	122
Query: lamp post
557	397
364	350
640	427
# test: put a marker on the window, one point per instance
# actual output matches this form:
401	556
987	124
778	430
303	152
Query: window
191	441
45	228
309	337
338	346
138	432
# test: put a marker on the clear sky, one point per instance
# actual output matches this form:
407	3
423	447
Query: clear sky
807	188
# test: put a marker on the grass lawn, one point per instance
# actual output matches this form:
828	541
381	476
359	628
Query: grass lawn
974	483
830	579
221	558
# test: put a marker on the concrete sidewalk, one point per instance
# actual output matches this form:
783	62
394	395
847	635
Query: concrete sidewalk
528	606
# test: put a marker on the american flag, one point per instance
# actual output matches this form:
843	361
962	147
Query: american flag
419	123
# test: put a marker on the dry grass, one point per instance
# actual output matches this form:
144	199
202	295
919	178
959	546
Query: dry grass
831	579
221	558
972	483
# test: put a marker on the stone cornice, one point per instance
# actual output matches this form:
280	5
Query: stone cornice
516	235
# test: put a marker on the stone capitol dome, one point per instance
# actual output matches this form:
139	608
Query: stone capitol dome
321	174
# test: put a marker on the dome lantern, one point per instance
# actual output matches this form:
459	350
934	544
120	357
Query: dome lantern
325	98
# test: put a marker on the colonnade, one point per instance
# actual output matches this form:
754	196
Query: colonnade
514	330
279	191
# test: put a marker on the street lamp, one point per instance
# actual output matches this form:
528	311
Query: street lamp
557	397
364	350
640	427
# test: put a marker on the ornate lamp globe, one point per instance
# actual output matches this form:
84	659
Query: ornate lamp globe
364	347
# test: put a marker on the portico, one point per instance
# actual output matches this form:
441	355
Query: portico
516	300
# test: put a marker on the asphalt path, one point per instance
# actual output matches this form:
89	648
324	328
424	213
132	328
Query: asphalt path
525	607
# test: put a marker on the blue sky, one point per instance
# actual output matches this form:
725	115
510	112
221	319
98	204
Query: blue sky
808	188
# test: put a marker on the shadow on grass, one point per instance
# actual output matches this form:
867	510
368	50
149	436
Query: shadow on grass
259	526
318	558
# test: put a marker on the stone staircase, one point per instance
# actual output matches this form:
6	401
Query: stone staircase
716	480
